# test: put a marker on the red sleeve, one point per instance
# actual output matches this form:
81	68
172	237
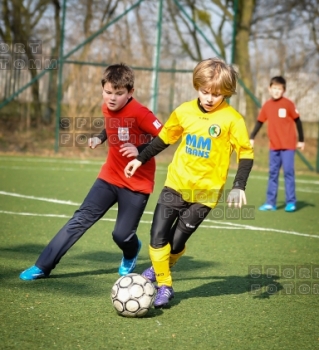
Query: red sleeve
262	116
149	123
293	112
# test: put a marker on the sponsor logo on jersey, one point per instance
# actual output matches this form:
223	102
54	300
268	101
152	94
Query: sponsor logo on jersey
282	113
214	130
123	134
198	145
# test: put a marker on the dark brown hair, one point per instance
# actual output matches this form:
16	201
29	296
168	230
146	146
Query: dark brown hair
278	80
119	76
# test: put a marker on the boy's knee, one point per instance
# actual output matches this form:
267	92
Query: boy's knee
117	238
121	237
158	244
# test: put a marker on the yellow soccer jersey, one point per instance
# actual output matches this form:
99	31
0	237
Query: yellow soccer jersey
200	165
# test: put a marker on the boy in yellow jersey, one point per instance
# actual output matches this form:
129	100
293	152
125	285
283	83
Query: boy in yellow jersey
210	130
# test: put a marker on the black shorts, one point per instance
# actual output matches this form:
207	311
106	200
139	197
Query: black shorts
175	220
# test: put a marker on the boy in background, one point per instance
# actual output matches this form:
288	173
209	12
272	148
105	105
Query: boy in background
283	118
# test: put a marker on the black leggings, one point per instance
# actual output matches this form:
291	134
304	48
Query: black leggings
175	220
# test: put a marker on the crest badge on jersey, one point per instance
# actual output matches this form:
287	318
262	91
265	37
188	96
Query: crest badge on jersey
123	134
282	113
214	130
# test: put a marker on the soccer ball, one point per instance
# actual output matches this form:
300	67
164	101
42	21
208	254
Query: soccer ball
132	295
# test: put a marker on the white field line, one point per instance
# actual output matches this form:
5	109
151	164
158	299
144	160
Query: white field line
260	177
51	160
60	169
100	162
162	171
103	219
220	225
15	167
50	200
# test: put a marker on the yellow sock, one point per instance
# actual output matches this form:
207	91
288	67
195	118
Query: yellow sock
160	262
173	258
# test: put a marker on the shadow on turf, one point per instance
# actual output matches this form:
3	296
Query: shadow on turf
300	205
88	264
220	285
259	288
105	257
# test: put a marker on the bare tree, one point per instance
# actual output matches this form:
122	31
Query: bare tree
242	55
52	90
83	100
289	29
19	23
215	20
293	26
208	18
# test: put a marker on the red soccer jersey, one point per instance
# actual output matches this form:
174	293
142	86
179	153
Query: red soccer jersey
281	115
135	124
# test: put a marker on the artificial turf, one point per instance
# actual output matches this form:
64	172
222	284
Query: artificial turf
221	301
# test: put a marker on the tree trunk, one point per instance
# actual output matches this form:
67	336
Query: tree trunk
21	35
242	58
50	111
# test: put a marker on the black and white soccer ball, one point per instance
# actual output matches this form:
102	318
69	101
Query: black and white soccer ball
133	295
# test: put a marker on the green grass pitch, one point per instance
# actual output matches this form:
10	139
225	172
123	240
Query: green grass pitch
246	282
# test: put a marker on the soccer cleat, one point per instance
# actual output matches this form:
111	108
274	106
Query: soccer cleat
149	274
128	265
290	207
32	273
267	207
163	296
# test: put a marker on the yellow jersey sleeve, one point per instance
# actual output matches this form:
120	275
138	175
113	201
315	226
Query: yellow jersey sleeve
172	130
239	140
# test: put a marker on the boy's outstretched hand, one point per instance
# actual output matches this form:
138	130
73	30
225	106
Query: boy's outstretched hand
93	142
236	197
131	167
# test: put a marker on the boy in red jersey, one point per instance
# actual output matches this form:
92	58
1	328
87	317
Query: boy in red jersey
282	117
210	130
127	123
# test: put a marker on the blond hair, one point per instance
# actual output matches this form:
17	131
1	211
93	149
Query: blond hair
216	76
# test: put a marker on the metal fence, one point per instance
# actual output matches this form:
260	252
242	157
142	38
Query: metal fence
83	89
